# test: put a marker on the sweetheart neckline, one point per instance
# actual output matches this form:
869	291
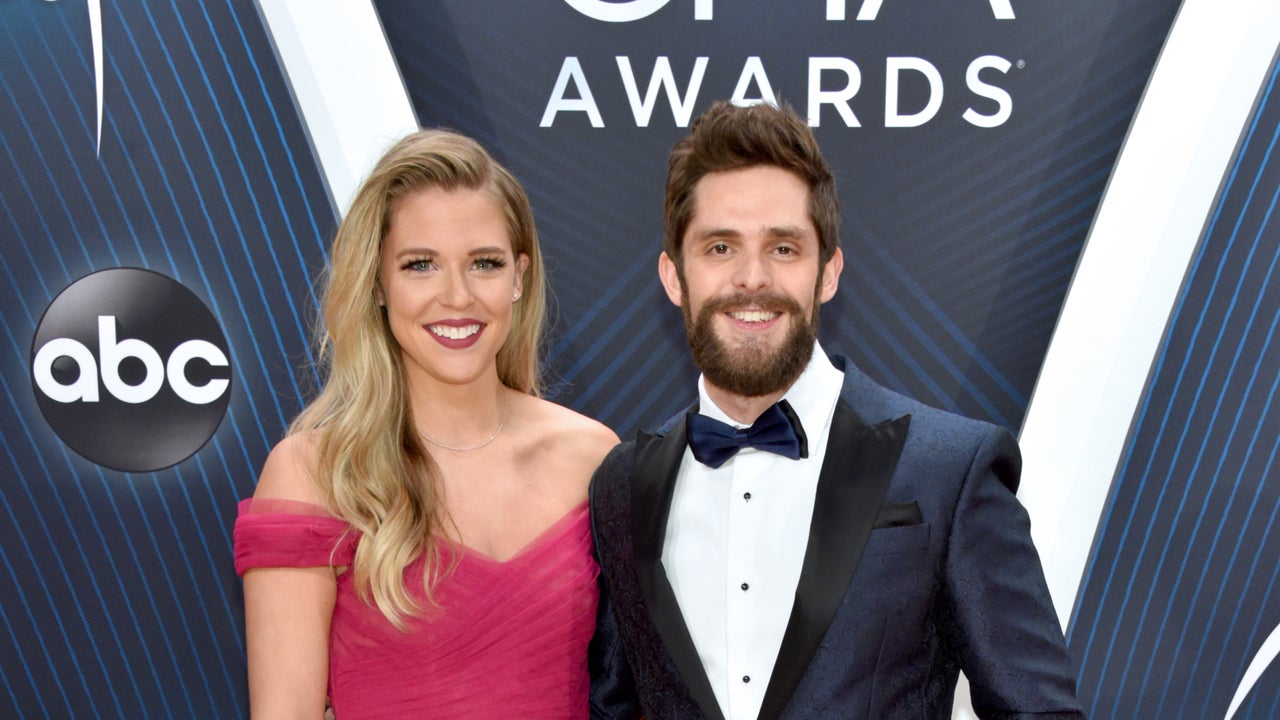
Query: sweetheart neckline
559	523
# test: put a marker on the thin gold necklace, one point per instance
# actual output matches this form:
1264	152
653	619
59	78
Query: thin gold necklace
490	438
485	442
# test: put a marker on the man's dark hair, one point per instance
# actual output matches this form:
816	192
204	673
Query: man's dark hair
729	137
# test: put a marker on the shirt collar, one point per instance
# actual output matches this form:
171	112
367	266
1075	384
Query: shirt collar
812	395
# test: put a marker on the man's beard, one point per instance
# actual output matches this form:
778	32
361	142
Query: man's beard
750	367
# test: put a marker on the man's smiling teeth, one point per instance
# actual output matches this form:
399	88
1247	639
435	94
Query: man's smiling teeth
454	333
753	315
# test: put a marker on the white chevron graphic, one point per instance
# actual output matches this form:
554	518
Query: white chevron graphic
346	84
1266	655
95	38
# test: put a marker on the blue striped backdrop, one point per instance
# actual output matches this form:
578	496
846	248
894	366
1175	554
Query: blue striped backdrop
1183	583
117	595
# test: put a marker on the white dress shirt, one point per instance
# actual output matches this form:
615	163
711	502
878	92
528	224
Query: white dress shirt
736	539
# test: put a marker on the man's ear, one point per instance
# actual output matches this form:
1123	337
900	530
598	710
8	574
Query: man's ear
670	276
831	276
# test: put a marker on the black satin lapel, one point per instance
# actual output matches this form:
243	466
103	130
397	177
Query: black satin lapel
667	618
653	482
855	476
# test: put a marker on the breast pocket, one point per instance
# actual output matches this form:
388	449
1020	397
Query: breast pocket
898	540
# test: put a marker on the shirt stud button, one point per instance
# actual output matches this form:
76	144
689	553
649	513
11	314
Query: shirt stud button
745	587
746	678
746	496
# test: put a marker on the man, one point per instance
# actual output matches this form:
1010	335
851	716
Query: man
806	543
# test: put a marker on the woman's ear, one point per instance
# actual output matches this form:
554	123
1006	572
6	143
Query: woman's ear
522	266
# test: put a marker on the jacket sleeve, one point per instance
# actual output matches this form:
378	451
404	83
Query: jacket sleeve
613	691
1001	624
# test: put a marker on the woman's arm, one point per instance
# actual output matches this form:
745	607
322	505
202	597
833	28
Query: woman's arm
287	613
288	610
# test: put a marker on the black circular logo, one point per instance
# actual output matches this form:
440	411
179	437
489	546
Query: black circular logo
131	370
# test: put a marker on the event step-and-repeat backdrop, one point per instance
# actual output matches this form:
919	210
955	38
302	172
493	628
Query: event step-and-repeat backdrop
1059	216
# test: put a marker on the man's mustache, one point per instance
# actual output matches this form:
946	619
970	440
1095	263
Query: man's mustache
767	301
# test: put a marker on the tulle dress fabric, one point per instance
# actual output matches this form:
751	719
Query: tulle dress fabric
509	639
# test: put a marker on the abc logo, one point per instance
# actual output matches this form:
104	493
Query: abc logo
130	369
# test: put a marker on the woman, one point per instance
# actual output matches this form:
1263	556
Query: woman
418	545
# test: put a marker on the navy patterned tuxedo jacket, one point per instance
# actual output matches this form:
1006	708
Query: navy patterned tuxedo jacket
919	564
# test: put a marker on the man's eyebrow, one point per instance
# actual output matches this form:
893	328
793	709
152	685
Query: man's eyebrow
716	232
786	231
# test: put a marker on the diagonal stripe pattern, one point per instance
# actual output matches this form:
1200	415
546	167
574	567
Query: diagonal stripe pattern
119	598
1182	588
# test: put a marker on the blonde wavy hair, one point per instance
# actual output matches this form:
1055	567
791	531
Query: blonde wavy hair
384	483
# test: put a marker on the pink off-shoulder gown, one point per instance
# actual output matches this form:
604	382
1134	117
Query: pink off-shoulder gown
509	639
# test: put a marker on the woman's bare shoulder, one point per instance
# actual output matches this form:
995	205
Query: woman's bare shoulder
571	435
289	472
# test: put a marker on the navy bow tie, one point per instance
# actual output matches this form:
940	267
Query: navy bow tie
777	430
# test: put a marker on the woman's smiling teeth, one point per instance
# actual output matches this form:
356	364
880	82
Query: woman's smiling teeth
753	316
455	333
